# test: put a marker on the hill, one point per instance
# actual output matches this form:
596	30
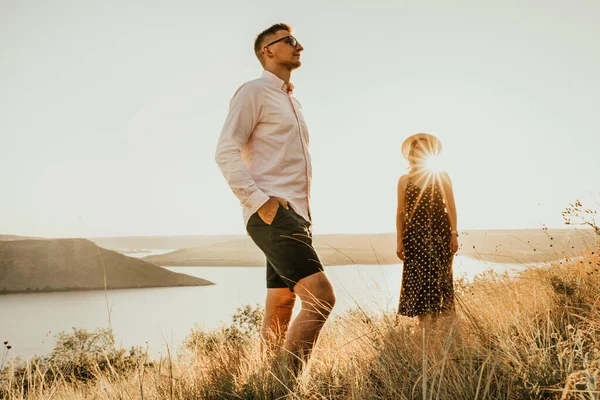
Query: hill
503	246
77	264
160	242
14	237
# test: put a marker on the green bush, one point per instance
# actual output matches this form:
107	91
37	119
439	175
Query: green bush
246	326
79	356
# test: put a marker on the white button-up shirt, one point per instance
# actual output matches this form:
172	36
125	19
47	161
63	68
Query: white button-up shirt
263	147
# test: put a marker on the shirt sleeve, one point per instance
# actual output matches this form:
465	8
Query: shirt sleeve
243	116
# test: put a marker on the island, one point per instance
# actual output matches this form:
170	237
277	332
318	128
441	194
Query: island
48	265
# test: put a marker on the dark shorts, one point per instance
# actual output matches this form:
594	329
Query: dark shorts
287	244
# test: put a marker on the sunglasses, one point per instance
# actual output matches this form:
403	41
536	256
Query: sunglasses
290	39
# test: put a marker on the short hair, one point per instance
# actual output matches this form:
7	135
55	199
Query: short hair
273	29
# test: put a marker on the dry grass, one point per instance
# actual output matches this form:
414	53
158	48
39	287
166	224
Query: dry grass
513	338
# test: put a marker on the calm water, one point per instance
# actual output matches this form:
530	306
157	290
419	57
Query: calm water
164	316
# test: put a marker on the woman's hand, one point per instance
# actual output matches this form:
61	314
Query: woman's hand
454	243
400	250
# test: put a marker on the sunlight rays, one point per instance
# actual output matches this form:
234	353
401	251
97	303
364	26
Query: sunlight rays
422	151
430	171
433	164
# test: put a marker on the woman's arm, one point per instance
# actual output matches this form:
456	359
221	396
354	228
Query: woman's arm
400	217
448	194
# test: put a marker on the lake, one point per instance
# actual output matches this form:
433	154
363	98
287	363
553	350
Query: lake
158	317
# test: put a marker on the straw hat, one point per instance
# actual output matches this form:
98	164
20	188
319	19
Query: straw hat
434	143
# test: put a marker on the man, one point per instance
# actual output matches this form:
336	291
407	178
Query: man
263	154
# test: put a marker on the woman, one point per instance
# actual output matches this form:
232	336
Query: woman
427	236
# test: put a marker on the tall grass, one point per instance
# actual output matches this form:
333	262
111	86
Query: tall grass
535	335
513	337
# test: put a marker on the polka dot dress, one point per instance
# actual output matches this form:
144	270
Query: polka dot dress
427	274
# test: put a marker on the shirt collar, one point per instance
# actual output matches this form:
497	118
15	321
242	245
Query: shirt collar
277	82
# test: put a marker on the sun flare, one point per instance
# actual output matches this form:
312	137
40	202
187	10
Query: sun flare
433	164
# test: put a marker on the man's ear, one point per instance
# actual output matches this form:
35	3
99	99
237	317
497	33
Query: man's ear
267	51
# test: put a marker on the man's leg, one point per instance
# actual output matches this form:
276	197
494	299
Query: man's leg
278	313
293	262
316	293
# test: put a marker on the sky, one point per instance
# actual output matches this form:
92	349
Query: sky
110	110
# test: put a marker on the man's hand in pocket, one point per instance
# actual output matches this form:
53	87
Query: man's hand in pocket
267	211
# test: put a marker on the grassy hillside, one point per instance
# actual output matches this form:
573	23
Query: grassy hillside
78	264
533	336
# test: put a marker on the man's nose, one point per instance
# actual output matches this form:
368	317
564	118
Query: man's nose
299	47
